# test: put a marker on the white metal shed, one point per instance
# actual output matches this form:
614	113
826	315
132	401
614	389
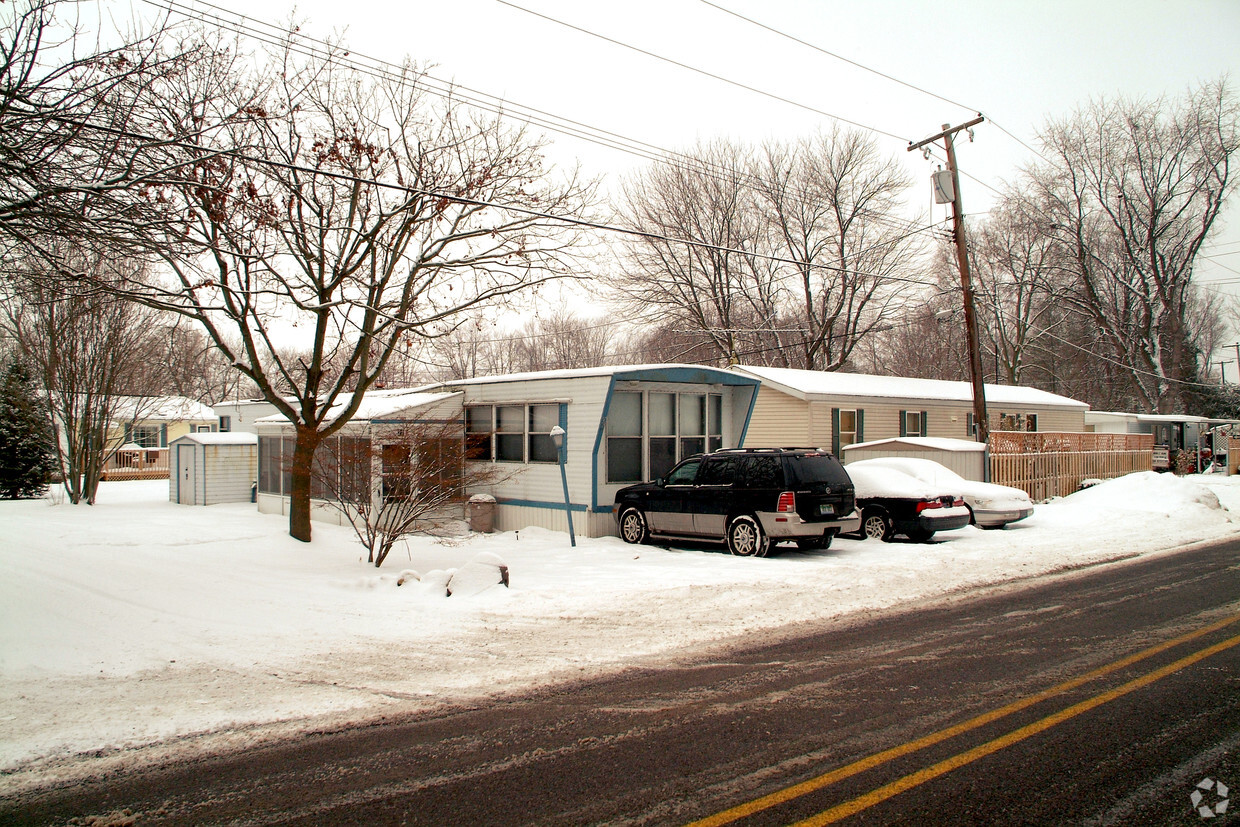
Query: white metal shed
210	468
966	457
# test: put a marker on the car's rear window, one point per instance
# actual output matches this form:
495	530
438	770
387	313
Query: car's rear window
807	469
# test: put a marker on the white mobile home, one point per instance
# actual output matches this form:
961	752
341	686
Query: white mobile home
831	410
622	425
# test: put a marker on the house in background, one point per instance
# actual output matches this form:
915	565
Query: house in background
622	425
141	429
834	409
242	415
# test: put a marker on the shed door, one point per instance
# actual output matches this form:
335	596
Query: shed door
186	475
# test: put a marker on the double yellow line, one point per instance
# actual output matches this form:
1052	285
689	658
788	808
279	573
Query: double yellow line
909	781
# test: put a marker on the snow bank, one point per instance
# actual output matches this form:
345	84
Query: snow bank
138	620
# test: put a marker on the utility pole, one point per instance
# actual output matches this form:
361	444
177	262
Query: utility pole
966	283
1221	373
1237	347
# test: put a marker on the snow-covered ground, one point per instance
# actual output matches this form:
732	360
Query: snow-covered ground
135	622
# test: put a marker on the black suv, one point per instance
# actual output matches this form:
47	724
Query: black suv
749	498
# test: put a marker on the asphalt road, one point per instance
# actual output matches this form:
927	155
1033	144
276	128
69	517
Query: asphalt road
1101	697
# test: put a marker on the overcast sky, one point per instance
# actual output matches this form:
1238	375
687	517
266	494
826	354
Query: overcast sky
1016	62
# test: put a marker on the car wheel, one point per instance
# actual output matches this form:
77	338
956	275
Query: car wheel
876	525
633	528
746	538
815	543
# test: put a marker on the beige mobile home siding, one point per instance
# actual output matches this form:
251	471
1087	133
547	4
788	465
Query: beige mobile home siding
779	419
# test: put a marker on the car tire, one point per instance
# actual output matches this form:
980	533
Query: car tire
815	543
876	525
633	527
920	535
746	538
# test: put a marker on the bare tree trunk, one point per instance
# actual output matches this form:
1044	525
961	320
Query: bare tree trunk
307	442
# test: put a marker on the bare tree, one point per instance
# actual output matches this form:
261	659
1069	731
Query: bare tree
833	205
791	259
562	341
358	214
75	142
722	284
1130	193
423	481
89	349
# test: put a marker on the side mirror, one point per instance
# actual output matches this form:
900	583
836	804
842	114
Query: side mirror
660	481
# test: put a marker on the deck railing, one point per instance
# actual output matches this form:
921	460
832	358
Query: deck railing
137	464
1054	464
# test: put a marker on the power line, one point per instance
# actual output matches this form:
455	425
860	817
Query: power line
829	53
271	34
705	73
513	208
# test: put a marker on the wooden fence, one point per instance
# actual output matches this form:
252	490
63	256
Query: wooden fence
1053	464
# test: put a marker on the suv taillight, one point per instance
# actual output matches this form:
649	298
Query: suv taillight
787	502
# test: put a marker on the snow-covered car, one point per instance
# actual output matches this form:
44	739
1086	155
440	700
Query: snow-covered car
992	506
891	502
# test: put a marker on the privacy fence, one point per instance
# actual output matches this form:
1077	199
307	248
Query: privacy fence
1052	464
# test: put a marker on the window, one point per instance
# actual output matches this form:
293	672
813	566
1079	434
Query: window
848	428
718	471
715	422
396	472
912	423
479	428
684	474
518	433
510	433
541	446
761	472
270	462
144	436
676	426
624	438
662	433
1018	422
355	468
692	424
225	424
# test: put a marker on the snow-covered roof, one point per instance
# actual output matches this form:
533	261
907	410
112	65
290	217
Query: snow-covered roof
167	408
377	404
1100	416
929	442
220	438
807	383
663	372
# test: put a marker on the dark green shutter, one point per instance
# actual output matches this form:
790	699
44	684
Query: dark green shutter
860	425
835	431
924	418
128	433
903	423
163	436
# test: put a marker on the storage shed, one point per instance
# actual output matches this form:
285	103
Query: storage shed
966	457
210	468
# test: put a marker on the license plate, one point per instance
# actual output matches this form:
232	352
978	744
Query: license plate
826	508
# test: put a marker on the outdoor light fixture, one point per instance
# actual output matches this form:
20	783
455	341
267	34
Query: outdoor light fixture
557	438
